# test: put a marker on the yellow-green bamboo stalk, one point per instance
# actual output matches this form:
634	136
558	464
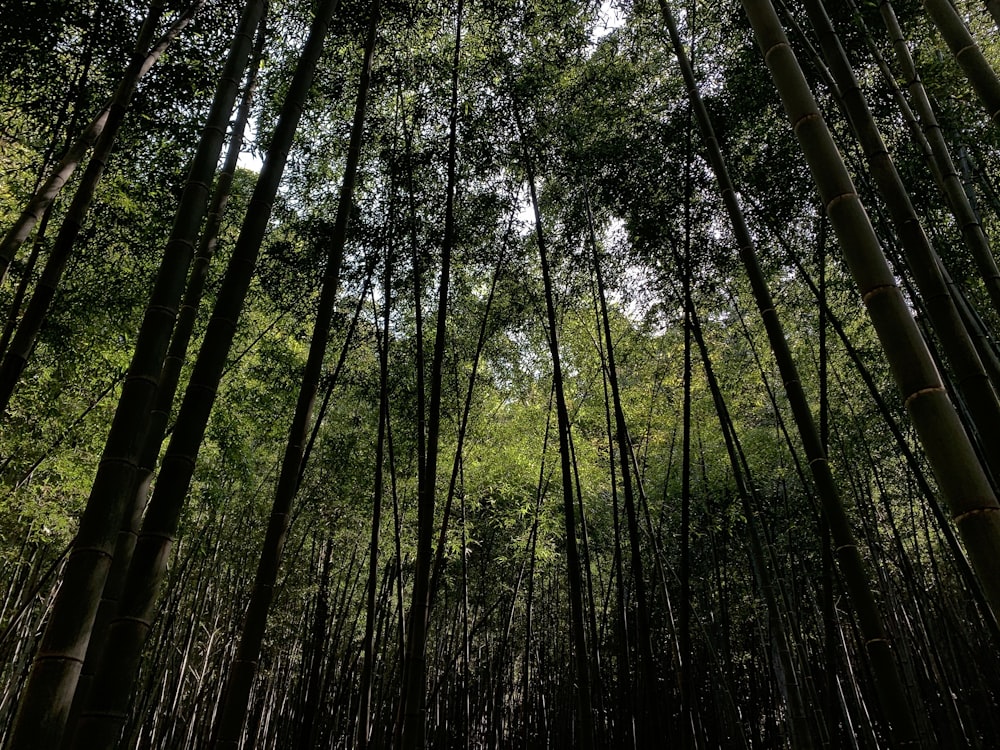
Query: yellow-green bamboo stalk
967	54
969	373
960	476
965	217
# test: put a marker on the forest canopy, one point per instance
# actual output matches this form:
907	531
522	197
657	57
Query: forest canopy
492	374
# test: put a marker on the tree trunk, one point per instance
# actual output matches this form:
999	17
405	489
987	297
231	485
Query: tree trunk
648	728
891	693
243	671
368	645
967	220
584	702
46	699
49	190
974	384
166	390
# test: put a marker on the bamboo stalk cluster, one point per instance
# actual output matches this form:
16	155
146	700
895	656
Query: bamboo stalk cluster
480	535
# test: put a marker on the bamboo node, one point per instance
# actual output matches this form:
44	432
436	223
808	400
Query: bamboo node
974	512
872	641
875	291
838	198
772	48
57	656
100	551
806	118
842	547
923	392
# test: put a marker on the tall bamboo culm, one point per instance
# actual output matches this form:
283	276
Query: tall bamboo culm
969	372
857	579
166	391
968	55
584	699
412	707
244	669
100	723
46	699
966	218
54	182
960	476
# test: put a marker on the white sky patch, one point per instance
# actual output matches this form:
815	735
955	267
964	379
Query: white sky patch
524	220
609	18
250	157
614	233
636	299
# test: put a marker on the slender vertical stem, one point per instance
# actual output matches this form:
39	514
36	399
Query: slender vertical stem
244	669
585	719
414	695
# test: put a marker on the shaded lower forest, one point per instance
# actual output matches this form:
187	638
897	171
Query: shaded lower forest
483	374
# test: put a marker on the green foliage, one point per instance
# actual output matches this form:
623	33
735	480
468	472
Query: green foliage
604	120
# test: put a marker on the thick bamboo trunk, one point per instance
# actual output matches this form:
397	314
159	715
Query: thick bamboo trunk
970	375
167	389
47	696
244	669
968	55
849	558
99	726
962	480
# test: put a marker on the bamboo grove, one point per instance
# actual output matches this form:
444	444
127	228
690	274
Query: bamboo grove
473	374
